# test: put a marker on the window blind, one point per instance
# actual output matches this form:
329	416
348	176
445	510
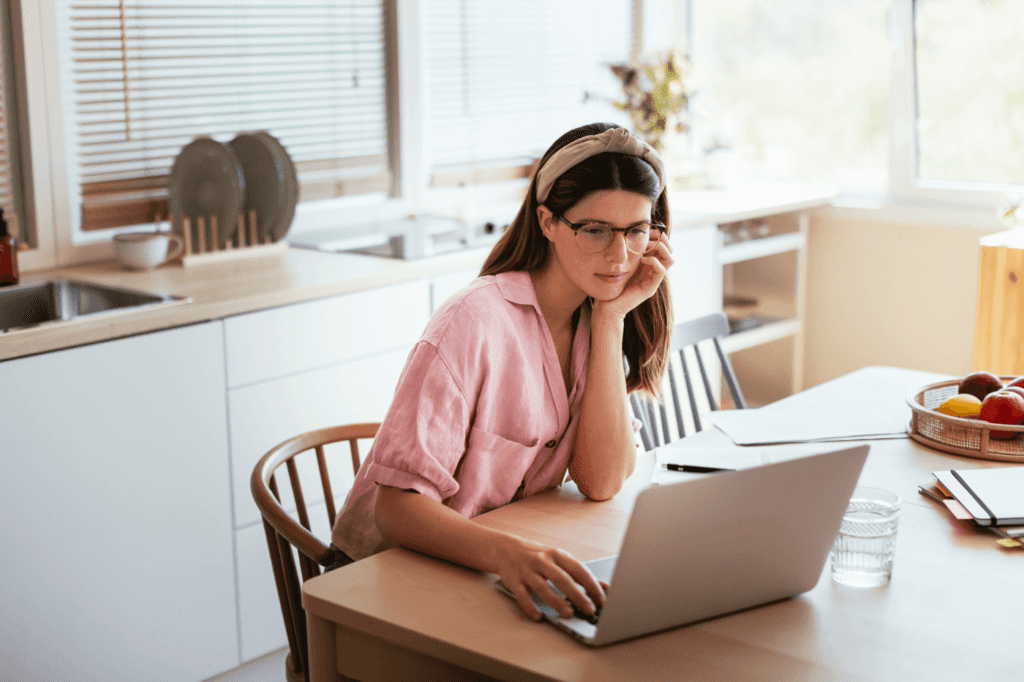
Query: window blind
8	151
505	79
150	75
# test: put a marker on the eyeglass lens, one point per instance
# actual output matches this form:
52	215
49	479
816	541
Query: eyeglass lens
640	239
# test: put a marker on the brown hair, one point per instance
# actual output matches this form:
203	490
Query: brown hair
648	327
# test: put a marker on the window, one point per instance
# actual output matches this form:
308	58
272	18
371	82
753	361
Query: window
917	99
970	90
142	78
504	79
794	89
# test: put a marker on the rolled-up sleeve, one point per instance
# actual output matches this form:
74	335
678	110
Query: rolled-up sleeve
423	437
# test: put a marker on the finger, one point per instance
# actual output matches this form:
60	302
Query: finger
581	577
525	602
548	595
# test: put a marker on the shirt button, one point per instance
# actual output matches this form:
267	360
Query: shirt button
551	444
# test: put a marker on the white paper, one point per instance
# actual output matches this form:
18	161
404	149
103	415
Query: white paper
784	424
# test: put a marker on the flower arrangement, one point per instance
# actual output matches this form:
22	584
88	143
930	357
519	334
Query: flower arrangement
656	95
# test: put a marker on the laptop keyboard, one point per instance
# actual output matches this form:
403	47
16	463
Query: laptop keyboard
590	618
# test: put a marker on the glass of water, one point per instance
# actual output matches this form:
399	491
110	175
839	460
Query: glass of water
863	551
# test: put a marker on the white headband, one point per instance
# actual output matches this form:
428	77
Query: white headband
611	140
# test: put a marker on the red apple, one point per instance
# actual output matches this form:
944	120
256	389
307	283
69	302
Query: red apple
1003	407
1016	383
980	384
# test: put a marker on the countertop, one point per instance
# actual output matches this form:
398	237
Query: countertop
218	290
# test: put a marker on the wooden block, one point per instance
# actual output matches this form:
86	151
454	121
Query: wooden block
201	237
999	322
186	233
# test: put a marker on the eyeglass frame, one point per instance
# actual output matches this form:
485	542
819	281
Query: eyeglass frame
576	227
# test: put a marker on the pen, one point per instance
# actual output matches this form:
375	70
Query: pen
694	469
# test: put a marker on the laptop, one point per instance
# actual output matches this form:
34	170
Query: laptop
727	541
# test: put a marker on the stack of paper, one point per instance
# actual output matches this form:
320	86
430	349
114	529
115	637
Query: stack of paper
784	423
992	498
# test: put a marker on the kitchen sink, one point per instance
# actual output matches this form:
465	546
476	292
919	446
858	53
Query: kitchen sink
61	300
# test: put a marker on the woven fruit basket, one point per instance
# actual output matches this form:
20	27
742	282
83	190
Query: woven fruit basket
968	437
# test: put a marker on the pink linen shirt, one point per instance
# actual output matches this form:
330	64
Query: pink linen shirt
480	416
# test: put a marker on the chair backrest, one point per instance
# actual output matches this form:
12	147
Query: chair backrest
285	531
687	338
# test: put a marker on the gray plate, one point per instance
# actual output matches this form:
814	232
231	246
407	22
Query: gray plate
266	185
206	180
291	184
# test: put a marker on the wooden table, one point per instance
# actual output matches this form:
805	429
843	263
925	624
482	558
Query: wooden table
954	609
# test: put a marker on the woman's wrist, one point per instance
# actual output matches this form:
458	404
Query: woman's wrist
604	316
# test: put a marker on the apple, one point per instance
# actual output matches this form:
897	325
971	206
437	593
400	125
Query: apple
1016	383
1003	407
980	384
1016	389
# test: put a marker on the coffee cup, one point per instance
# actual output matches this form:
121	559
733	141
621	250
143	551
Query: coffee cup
147	250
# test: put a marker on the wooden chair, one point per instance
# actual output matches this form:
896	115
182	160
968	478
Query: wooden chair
687	336
284	532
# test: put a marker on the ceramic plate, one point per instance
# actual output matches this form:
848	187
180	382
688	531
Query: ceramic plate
206	180
291	184
266	187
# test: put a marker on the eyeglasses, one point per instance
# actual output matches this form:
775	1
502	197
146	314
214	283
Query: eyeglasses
641	238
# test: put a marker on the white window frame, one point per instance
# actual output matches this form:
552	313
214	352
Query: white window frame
905	187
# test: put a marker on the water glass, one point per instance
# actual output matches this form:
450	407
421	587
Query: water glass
863	552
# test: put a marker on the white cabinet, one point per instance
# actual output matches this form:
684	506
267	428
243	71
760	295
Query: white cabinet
294	369
117	561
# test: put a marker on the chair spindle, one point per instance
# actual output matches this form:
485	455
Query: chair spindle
300	500
325	483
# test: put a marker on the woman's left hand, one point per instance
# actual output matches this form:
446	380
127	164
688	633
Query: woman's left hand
645	281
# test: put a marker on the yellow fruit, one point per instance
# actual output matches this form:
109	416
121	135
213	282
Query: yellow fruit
961	405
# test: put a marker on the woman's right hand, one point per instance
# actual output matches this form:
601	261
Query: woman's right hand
526	567
422	523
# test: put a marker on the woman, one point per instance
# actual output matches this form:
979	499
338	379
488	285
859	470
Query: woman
519	377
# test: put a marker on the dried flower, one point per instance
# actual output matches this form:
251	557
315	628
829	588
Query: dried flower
656	95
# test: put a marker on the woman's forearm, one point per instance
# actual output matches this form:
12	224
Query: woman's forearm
605	450
424	524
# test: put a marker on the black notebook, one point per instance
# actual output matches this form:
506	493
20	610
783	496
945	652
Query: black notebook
994	497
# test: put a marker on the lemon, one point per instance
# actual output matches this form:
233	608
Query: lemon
961	405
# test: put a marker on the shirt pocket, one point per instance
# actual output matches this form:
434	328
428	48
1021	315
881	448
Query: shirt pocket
491	471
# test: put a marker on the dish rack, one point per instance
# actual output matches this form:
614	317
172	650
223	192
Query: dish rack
246	242
968	437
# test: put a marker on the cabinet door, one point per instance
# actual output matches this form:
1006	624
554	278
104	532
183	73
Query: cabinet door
295	338
695	279
263	415
117	561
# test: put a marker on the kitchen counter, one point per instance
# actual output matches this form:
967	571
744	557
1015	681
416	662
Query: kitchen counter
218	290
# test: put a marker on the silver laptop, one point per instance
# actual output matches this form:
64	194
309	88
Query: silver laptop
728	541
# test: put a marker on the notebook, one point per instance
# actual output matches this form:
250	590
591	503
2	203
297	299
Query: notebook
728	541
994	497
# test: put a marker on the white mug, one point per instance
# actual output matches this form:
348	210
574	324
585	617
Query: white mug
146	250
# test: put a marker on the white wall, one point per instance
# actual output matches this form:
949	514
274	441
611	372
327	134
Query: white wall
889	293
